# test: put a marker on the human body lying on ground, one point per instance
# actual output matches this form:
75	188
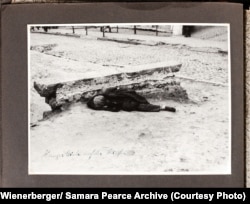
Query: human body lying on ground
127	100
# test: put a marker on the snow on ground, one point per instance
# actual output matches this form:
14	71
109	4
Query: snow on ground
217	33
195	139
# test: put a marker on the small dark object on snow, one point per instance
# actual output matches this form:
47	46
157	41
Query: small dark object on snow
126	100
33	124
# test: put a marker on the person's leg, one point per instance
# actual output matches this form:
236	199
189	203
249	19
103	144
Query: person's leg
148	108
154	108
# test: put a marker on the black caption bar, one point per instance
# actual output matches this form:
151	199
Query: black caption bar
163	194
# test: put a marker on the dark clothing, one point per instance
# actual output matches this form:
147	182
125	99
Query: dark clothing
187	31
127	100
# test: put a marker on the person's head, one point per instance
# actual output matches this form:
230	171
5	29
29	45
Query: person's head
99	101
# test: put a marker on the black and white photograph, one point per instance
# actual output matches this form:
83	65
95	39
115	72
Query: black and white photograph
129	99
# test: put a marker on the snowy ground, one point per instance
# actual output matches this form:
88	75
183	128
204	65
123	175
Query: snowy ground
195	139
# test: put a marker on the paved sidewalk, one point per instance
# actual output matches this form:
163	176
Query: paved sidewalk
172	40
148	39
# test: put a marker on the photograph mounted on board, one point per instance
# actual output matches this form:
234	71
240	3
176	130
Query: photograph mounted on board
129	99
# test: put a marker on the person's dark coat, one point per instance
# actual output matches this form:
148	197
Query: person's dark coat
126	100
